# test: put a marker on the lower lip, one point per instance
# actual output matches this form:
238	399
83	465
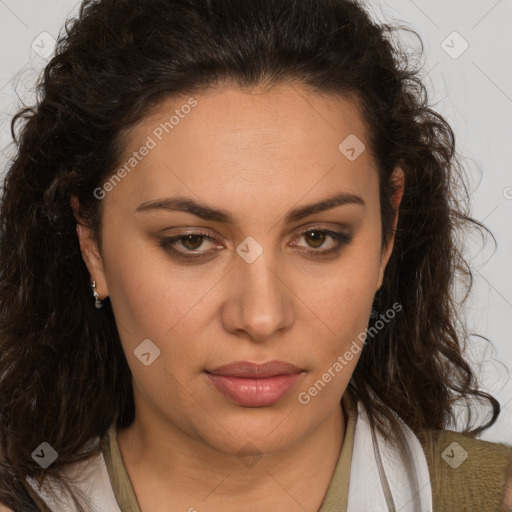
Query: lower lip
252	392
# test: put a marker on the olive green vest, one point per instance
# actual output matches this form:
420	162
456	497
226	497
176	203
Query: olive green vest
466	474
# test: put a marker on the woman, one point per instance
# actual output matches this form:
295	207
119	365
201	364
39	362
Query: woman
227	252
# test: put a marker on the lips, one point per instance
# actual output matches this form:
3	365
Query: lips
254	370
255	385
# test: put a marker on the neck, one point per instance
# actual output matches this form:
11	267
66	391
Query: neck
167	465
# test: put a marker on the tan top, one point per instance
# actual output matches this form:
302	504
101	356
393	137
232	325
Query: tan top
478	484
335	498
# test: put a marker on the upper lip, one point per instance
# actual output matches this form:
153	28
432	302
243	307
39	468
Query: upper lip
255	370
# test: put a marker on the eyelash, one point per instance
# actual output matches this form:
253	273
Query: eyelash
341	239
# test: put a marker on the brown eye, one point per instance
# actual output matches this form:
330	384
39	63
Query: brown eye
317	237
183	246
192	242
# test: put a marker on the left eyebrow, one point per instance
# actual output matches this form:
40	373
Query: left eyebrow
334	201
199	209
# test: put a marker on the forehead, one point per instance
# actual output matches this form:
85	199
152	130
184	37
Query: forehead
228	140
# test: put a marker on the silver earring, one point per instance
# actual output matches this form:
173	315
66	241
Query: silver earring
97	302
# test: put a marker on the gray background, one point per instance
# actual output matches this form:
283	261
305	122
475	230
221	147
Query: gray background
472	88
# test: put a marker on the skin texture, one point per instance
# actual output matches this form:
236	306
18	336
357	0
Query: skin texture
256	155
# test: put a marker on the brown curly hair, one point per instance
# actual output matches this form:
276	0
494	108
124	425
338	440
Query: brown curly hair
63	373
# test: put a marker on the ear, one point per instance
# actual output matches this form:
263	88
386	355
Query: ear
398	180
90	252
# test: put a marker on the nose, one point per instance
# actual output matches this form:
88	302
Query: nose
261	301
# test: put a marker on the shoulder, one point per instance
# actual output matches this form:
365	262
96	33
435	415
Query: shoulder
85	481
472	473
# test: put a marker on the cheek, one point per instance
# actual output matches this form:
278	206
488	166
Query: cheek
157	301
149	295
343	301
343	305
350	285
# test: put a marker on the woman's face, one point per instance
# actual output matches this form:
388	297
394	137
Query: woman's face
258	289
